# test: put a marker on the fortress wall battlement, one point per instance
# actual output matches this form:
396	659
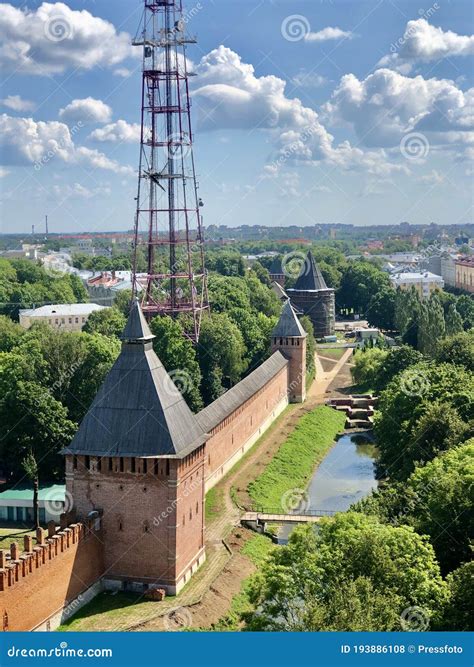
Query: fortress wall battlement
43	578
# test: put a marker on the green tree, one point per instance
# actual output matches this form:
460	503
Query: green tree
381	309
454	323
255	330
359	282
122	301
407	398
10	333
226	294
30	466
108	322
444	504
178	356
431	326
459	613
310	344
31	420
221	352
80	293
397	360
458	349
465	307
367	366
301	585
262	298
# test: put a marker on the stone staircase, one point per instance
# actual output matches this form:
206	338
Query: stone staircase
359	409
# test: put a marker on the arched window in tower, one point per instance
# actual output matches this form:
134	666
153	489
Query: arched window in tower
120	524
146	527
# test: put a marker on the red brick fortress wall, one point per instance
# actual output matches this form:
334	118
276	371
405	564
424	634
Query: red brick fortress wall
45	578
233	436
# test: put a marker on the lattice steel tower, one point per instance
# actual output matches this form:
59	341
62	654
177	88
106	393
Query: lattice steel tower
168	223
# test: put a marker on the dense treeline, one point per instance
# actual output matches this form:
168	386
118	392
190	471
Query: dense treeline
400	559
24	284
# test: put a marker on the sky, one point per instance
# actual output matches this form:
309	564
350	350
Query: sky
304	111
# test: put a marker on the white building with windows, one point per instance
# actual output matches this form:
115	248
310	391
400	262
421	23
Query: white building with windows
62	316
425	283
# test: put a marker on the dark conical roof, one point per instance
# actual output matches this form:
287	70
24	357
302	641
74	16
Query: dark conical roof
137	328
288	324
310	277
138	411
276	267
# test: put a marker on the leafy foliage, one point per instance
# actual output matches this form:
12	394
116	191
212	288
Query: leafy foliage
354	573
416	413
178	356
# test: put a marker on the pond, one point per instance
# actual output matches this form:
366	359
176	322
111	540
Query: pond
345	475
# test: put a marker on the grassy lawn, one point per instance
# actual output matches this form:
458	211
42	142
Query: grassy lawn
214	502
107	610
293	465
257	549
331	352
13	534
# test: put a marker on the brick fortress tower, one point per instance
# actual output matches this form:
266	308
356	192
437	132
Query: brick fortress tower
289	338
138	458
314	298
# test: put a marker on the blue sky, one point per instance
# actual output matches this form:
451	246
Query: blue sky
305	112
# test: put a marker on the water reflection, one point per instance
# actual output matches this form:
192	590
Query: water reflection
346	475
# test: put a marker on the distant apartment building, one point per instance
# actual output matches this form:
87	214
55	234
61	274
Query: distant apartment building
27	251
448	269
425	283
464	269
63	316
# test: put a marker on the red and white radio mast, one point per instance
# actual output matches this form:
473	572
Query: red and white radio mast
168	223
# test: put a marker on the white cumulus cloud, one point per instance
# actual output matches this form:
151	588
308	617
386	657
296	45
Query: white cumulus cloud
119	131
17	103
386	105
24	141
54	37
423	42
87	110
231	96
327	34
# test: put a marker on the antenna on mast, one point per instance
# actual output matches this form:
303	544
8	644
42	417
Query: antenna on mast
168	225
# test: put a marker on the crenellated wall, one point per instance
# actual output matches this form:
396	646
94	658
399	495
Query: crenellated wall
41	581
